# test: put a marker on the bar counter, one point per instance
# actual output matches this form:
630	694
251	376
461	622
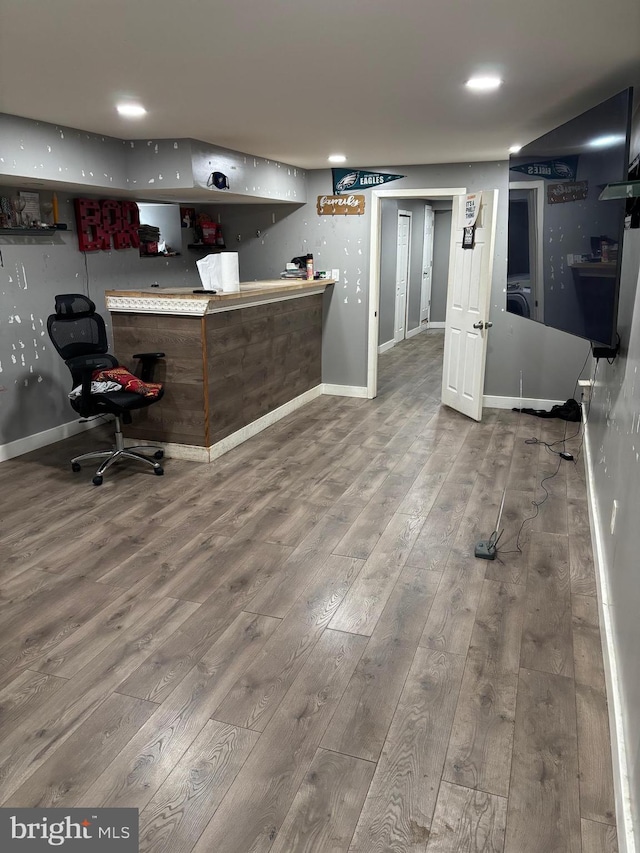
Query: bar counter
234	362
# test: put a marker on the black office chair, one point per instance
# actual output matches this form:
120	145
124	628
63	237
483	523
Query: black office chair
80	337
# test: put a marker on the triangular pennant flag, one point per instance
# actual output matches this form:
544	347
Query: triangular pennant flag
350	180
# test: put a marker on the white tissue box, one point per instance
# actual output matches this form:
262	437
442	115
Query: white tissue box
220	272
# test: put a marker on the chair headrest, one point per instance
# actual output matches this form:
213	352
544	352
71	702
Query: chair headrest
74	305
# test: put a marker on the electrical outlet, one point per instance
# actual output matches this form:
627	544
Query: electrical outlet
335	275
614	513
585	386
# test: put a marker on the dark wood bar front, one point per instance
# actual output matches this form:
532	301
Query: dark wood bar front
225	368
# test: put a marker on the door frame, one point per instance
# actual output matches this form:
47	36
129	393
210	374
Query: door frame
425	295
407	291
536	202
374	267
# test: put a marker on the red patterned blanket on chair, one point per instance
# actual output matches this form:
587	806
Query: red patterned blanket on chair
127	381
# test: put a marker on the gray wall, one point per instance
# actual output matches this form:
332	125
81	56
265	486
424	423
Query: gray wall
34	381
549	359
614	446
33	273
38	151
149	168
440	276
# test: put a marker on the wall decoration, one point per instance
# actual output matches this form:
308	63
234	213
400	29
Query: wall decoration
358	179
102	222
328	205
567	191
469	237
471	208
553	170
31	212
218	180
188	217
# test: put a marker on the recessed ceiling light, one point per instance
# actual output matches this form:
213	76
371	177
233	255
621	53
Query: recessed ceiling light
514	149
337	158
131	110
606	141
483	84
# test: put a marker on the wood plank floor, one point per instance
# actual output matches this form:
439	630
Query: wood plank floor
294	649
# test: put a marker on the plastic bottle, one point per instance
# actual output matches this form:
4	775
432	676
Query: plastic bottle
309	267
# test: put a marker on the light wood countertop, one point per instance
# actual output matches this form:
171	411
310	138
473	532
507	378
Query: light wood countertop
184	301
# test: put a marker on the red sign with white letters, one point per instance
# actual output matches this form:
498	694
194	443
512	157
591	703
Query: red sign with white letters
103	223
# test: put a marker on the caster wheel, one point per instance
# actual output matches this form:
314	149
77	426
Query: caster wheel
75	467
159	454
97	481
158	471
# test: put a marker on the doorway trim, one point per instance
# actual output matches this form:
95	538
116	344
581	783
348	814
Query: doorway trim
536	202
405	318
427	243
374	267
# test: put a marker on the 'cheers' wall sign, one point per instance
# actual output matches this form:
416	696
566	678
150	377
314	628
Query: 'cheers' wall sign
101	223
341	204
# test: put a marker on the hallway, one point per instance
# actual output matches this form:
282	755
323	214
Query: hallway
294	648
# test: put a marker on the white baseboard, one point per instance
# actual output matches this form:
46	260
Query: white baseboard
436	324
411	333
191	452
42	439
621	783
195	453
344	390
262	423
491	402
198	453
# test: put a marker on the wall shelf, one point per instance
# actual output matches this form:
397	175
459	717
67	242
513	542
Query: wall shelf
29	232
206	247
621	189
162	255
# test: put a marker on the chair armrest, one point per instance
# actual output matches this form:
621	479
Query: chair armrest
84	407
82	368
148	360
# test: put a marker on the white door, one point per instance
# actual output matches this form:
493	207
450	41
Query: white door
402	274
467	324
427	265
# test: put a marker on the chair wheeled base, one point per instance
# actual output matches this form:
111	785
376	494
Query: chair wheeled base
117	453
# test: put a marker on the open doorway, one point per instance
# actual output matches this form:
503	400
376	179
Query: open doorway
402	278
414	267
525	294
430	212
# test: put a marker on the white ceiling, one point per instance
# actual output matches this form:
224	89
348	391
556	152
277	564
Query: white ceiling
295	80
